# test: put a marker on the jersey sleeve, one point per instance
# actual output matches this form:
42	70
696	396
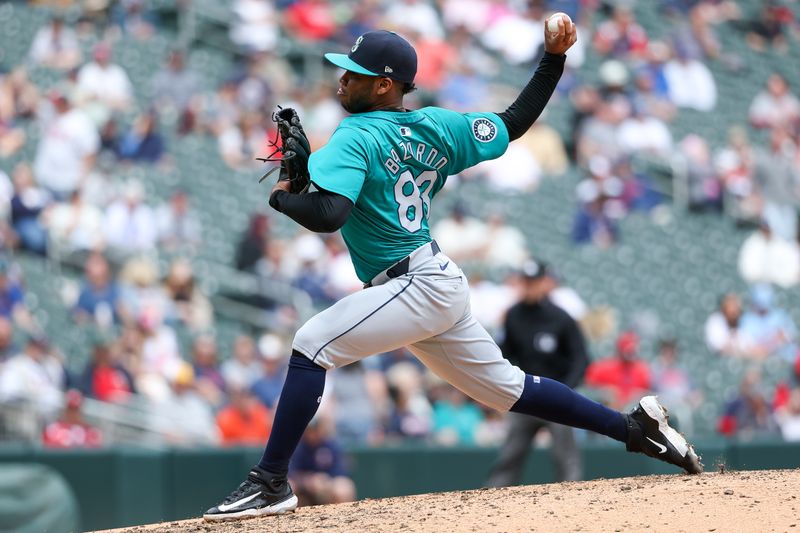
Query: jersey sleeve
341	165
474	137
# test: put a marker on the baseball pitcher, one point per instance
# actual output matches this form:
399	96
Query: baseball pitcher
376	180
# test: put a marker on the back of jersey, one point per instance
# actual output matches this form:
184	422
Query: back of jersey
390	165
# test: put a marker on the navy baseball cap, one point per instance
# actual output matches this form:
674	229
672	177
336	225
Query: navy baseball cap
379	53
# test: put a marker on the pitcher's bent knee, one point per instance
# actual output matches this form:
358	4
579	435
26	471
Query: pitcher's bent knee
500	390
306	342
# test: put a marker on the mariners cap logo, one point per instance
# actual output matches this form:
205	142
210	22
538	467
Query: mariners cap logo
484	129
379	53
358	42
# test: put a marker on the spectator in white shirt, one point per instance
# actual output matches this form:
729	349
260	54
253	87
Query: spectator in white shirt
775	106
100	187
418	15
643	132
767	258
35	377
130	224
67	149
569	300
255	25
518	37
505	244
489	301
474	15
239	144
55	46
104	81
515	170
75	225
690	82
342	279
323	113
723	333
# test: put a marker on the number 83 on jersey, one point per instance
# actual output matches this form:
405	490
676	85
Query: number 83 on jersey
413	197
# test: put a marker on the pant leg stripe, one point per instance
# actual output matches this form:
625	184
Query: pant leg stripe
363	319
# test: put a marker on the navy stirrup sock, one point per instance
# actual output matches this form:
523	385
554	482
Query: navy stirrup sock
554	401
297	405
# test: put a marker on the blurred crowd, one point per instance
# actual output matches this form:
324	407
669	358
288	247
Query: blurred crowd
139	292
621	127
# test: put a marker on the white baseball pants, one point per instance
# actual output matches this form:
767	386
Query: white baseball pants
426	310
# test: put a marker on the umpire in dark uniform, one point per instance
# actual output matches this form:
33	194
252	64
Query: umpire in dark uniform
543	340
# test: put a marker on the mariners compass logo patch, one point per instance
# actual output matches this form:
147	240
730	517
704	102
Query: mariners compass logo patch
484	129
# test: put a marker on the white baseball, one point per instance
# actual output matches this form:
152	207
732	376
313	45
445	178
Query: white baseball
552	22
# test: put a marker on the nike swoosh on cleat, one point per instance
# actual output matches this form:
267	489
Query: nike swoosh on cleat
442	267
660	446
228	507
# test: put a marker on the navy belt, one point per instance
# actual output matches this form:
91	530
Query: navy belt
401	267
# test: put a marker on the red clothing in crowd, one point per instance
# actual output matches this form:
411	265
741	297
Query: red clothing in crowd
313	21
433	59
620	39
626	378
61	434
110	384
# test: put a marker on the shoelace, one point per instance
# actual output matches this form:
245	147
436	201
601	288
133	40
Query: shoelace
244	487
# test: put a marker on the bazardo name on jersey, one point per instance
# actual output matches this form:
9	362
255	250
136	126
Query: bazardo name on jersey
390	165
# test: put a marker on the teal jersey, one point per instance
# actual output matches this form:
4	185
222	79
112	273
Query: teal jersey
390	165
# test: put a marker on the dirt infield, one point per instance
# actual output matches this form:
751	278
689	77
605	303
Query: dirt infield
738	501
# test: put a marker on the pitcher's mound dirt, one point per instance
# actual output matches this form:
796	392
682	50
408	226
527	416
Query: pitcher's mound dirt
738	501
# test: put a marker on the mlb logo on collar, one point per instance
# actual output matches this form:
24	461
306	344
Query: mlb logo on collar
405	132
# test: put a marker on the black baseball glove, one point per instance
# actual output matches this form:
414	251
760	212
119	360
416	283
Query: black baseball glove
294	149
